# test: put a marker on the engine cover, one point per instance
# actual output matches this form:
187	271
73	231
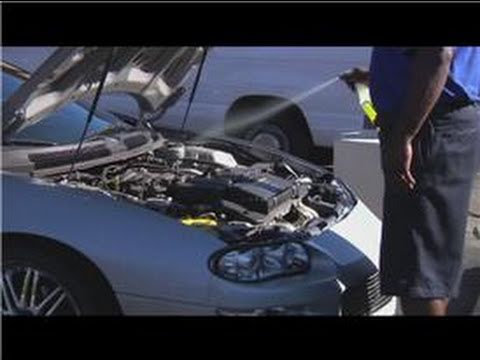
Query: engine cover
261	195
250	193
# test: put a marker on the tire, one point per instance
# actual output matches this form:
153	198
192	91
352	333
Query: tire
76	287
271	132
280	134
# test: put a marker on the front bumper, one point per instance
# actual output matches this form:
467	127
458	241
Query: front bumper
366	299
343	280
141	306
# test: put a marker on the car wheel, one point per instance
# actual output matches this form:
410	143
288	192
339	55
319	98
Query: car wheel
268	135
36	282
281	136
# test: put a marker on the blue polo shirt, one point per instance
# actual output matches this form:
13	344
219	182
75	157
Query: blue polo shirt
389	67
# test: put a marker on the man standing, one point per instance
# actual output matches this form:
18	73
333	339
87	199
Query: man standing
427	100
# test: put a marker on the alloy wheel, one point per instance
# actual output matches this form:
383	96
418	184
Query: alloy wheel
27	291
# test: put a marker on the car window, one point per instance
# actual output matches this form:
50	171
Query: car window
62	127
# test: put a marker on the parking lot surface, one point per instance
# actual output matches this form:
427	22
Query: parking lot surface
468	302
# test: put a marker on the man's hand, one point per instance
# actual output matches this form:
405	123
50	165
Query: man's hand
398	161
355	75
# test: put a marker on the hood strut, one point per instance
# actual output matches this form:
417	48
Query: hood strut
106	68
194	88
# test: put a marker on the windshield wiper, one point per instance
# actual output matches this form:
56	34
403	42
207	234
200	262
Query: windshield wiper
130	120
29	142
109	131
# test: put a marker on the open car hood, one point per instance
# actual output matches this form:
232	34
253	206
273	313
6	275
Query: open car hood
152	75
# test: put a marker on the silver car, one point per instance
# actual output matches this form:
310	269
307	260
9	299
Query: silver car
105	216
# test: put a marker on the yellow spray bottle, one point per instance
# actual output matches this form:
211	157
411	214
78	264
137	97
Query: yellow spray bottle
365	102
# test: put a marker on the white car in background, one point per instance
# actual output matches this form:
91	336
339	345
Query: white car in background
239	86
239	82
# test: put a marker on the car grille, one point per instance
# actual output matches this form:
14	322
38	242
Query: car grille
364	299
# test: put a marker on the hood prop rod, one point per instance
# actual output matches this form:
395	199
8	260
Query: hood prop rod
194	88
106	68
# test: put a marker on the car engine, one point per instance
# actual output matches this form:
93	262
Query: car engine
208	188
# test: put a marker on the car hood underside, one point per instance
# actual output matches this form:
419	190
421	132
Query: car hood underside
152	75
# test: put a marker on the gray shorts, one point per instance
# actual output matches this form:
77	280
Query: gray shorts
424	229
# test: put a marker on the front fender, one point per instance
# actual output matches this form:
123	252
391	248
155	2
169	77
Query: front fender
140	251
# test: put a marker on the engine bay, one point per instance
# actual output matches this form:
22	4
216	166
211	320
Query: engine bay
210	188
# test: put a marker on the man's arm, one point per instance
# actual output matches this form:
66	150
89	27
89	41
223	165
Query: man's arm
429	73
427	78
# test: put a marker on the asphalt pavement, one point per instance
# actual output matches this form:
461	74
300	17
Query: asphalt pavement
468	302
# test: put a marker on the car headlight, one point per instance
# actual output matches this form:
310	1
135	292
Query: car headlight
259	262
346	198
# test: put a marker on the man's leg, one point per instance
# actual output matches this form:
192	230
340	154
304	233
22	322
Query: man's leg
424	307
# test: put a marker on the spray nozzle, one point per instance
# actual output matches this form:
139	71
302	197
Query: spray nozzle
354	76
357	80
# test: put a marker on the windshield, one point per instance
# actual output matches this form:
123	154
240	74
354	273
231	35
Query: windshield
62	127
